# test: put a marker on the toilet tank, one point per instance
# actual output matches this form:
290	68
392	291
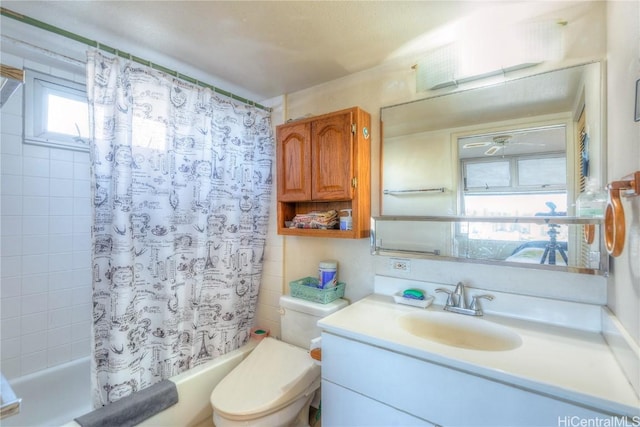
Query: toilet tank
299	318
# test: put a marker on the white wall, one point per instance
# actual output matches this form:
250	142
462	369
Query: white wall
623	134
45	284
395	83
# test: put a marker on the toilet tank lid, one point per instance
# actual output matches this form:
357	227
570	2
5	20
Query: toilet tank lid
312	308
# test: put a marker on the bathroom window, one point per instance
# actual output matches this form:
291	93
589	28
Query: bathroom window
56	112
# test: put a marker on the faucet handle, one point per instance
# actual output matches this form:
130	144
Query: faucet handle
475	305
449	295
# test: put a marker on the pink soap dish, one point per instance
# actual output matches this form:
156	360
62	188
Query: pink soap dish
259	333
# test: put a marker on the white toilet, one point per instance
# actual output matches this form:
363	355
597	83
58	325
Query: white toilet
275	384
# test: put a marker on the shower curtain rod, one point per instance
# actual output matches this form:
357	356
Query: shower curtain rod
76	37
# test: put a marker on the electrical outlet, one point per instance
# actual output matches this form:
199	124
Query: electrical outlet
401	264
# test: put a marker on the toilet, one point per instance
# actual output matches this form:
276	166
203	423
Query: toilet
276	383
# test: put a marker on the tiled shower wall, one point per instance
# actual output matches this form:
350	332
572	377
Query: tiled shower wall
45	279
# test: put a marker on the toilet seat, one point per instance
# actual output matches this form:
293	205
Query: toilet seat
270	378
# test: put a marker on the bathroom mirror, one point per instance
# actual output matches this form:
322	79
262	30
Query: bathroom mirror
519	148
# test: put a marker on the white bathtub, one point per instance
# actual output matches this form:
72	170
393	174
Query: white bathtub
194	389
52	396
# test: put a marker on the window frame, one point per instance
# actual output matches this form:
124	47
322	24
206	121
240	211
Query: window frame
514	187
36	89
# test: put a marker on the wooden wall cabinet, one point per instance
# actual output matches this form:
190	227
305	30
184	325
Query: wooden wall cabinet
324	163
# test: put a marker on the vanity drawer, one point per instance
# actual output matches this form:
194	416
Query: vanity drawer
442	395
343	407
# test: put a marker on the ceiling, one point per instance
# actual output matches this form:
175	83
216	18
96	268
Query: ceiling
262	49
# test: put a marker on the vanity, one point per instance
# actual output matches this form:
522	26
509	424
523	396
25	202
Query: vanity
382	367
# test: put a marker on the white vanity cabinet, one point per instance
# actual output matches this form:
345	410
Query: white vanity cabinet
366	385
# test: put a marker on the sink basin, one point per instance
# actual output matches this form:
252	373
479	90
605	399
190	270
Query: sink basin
461	331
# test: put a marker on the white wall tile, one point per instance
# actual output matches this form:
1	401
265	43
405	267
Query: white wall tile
12	367
61	169
35	186
35	244
11	164
11	144
34	303
60	299
33	362
81	277
81	206
81	188
61	317
81	313
10	349
35	166
9	307
80	349
11	225
61	206
11	185
61	154
82	224
10	328
34	264
32	343
10	287
61	187
46	276
60	261
11	205
11	123
35	205
35	283
81	171
35	322
11	246
59	336
81	331
61	224
59	243
11	266
61	280
81	259
81	157
37	151
32	224
58	355
82	242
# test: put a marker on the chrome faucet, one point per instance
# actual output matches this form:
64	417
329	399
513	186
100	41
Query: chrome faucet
457	301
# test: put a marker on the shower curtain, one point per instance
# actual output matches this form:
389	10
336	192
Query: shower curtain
182	180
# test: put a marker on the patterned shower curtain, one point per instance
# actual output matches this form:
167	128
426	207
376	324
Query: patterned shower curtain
182	181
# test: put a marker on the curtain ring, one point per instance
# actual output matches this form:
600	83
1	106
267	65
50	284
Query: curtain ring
614	223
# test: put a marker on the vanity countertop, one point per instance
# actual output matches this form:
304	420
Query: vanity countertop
565	363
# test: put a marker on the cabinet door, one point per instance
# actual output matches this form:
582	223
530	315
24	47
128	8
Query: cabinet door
294	162
332	157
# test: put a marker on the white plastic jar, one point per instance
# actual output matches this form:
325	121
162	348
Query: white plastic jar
327	274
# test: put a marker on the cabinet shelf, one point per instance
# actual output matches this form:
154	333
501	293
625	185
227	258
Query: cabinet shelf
324	163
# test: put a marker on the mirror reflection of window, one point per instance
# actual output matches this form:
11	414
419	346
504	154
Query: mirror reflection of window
519	173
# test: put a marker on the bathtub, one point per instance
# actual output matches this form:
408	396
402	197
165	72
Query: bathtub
52	396
194	389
